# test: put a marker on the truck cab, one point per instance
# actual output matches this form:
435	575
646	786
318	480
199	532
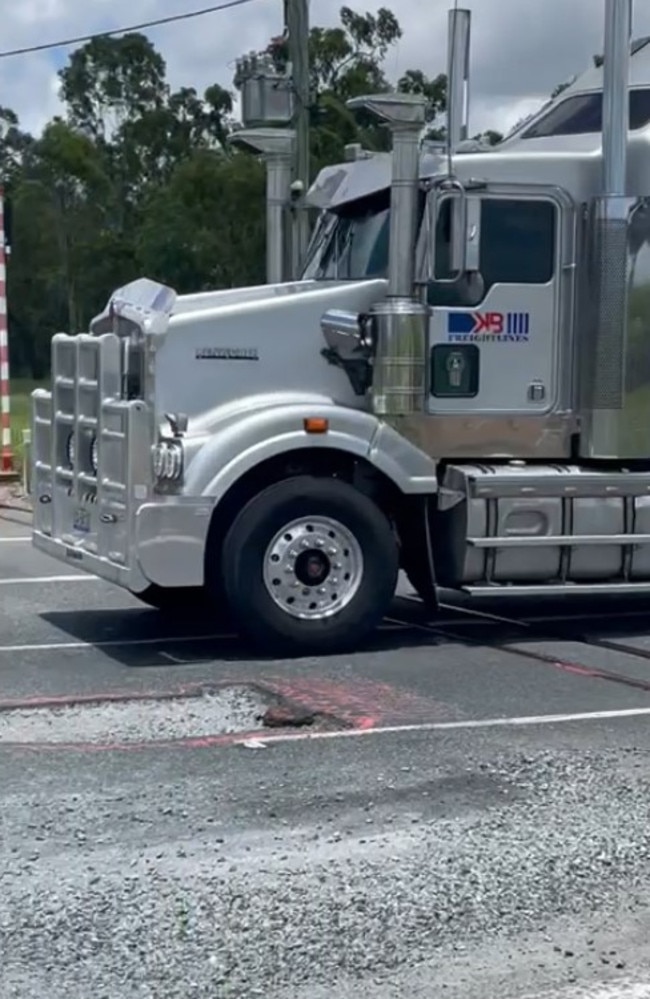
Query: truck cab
458	387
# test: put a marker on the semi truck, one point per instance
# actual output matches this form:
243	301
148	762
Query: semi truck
458	386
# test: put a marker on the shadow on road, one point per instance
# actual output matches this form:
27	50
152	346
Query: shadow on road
142	637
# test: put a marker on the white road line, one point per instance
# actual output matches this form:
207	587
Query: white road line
70	578
9	541
127	642
480	723
112	644
123	643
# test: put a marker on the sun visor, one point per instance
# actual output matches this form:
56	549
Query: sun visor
346	182
338	185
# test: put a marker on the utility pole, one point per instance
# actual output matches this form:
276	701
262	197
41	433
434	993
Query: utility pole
296	17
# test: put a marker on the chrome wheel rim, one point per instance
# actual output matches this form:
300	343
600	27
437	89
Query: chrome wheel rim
313	568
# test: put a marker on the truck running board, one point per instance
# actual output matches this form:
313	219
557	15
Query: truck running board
557	589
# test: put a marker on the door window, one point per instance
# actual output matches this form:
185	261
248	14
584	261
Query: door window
518	239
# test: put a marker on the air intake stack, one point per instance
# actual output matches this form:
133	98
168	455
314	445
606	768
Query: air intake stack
399	324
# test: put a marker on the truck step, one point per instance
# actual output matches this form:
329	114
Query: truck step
557	589
559	541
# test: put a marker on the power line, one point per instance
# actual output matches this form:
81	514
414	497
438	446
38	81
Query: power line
65	42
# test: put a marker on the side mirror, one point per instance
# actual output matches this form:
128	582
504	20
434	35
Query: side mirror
449	207
454	192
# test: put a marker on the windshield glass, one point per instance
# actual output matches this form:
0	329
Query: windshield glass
353	242
583	114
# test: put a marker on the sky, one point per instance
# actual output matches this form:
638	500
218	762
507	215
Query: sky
520	48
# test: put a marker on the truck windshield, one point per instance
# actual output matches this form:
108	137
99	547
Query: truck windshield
353	242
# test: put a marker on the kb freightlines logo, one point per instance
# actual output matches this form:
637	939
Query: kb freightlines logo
487	327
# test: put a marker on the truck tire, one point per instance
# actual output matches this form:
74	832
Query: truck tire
309	566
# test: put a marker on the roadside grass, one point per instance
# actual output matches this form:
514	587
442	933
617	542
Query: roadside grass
21	418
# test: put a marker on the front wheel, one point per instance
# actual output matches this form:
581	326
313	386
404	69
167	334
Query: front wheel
309	566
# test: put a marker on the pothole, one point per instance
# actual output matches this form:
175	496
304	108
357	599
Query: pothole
222	712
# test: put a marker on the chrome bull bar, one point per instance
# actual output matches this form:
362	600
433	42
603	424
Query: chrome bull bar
91	456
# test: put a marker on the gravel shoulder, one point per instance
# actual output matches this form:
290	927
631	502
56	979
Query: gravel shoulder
376	865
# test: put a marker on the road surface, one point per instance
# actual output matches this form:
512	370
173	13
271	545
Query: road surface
458	811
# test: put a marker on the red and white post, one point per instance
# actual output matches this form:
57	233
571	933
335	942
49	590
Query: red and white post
6	453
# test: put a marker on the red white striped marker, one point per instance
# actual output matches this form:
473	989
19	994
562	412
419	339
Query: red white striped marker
6	453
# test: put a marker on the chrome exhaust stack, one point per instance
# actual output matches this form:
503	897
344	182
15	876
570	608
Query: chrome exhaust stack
458	70
604	356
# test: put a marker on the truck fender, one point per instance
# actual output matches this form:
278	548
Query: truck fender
266	433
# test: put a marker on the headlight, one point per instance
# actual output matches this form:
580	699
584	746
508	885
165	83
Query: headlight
71	449
94	462
167	460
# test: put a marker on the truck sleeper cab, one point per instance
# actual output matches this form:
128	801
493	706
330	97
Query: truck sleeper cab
459	386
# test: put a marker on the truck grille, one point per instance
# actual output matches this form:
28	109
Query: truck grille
91	449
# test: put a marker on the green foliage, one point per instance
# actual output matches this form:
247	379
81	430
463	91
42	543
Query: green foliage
188	236
136	178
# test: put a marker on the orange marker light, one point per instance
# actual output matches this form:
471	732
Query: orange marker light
316	425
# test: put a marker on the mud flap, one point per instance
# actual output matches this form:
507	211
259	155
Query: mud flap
417	550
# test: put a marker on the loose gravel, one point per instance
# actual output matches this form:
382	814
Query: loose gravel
233	709
195	895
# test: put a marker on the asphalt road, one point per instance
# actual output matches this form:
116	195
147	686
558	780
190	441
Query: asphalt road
460	810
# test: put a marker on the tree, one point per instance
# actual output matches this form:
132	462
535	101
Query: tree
346	62
59	209
110	80
148	147
415	81
136	177
14	145
205	229
490	137
115	91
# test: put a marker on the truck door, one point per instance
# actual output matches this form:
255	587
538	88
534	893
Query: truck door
495	340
